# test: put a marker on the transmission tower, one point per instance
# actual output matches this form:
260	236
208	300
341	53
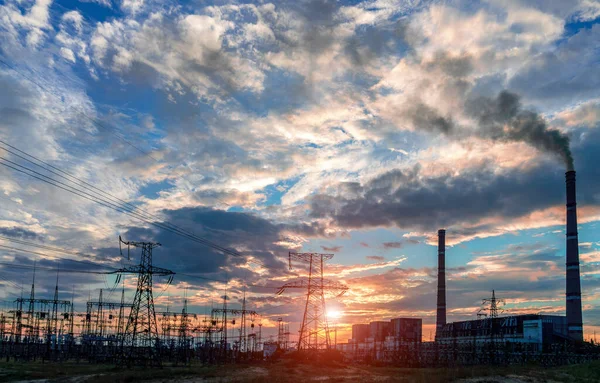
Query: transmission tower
183	333
314	332
280	331
141	341
493	308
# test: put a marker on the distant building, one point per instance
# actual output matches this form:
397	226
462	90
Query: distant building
407	329
380	337
533	329
379	330
360	332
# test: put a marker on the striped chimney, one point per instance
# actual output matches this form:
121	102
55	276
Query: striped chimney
573	296
441	293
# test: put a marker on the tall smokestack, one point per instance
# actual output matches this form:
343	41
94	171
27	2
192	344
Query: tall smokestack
441	294
574	318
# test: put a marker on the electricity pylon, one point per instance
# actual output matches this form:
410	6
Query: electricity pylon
493	308
140	341
314	332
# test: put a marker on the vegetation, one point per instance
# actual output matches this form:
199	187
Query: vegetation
287	370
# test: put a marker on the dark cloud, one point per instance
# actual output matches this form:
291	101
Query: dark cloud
17	232
333	249
377	258
453	66
229	229
429	119
393	245
408	200
248	234
370	43
400	244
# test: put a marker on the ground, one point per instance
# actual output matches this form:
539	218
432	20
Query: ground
289	370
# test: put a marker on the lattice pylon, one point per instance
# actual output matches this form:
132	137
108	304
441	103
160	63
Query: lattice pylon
314	331
141	338
141	329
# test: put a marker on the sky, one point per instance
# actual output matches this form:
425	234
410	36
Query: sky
357	128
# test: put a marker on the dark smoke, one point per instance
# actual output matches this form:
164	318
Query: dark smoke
503	119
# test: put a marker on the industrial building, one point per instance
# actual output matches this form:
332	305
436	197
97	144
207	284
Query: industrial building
380	337
536	330
533	329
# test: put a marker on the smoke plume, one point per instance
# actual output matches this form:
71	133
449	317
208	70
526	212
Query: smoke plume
503	119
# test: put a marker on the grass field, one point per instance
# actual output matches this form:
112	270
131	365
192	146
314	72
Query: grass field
292	371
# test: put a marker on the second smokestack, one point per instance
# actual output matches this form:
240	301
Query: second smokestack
441	293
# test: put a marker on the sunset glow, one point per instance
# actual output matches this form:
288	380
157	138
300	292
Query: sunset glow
234	134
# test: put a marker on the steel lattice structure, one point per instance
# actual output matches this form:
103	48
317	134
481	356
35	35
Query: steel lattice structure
314	332
141	331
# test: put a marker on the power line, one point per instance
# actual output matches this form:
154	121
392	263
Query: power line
30	267
176	230
46	255
186	233
49	248
121	203
226	281
124	207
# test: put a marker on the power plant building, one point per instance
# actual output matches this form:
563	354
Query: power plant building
533	329
360	332
407	329
536	329
379	330
378	336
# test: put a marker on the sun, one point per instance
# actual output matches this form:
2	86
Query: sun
334	314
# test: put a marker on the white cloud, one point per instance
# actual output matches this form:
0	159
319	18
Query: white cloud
186	51
35	21
67	54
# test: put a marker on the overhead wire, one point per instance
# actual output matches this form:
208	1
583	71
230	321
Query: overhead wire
46	255
103	198
122	206
226	251
225	281
52	249
119	208
29	267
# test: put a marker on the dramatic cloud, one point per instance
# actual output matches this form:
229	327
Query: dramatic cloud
358	128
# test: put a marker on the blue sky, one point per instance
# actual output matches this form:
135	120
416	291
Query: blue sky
359	128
